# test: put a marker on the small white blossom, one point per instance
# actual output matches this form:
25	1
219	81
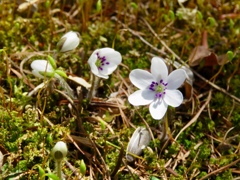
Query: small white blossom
41	67
69	41
44	69
157	88
104	61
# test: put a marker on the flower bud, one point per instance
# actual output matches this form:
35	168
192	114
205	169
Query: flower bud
41	68
69	41
139	140
59	151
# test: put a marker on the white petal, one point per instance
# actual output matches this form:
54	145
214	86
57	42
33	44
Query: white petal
158	109
108	69
71	41
92	63
159	69
141	78
102	76
37	74
173	98
141	97
176	79
41	65
111	55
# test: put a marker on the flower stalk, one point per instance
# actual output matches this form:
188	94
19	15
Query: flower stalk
94	86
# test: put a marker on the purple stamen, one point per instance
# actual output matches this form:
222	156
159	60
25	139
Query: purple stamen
158	95
154	86
102	61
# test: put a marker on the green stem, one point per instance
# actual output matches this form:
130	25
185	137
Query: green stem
111	144
59	169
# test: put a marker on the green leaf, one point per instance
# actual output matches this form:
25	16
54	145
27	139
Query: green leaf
102	123
153	178
47	4
52	62
61	73
47	74
199	15
171	15
83	167
51	175
211	21
134	5
231	23
41	171
99	5
230	55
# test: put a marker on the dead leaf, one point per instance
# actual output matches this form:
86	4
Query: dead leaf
197	55
211	60
223	59
80	81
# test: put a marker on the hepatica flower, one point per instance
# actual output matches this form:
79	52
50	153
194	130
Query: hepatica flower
47	69
157	88
69	41
104	61
41	68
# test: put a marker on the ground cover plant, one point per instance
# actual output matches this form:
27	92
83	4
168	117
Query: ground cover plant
119	89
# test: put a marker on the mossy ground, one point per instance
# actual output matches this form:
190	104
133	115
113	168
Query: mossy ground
207	148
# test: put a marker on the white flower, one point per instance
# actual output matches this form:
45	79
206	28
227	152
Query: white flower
104	61
59	151
44	69
41	67
157	88
69	41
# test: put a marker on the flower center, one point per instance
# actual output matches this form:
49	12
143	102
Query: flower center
158	88
101	62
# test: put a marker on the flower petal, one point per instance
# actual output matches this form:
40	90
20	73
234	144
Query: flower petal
141	78
141	97
102	76
42	65
173	98
159	69
176	79
69	41
92	63
108	68
111	55
37	74
158	109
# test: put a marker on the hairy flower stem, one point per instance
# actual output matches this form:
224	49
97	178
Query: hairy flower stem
93	89
59	169
164	128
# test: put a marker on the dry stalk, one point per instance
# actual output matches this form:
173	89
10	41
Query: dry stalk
221	169
194	119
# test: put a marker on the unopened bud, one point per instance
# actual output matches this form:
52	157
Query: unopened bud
139	140
69	41
59	151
